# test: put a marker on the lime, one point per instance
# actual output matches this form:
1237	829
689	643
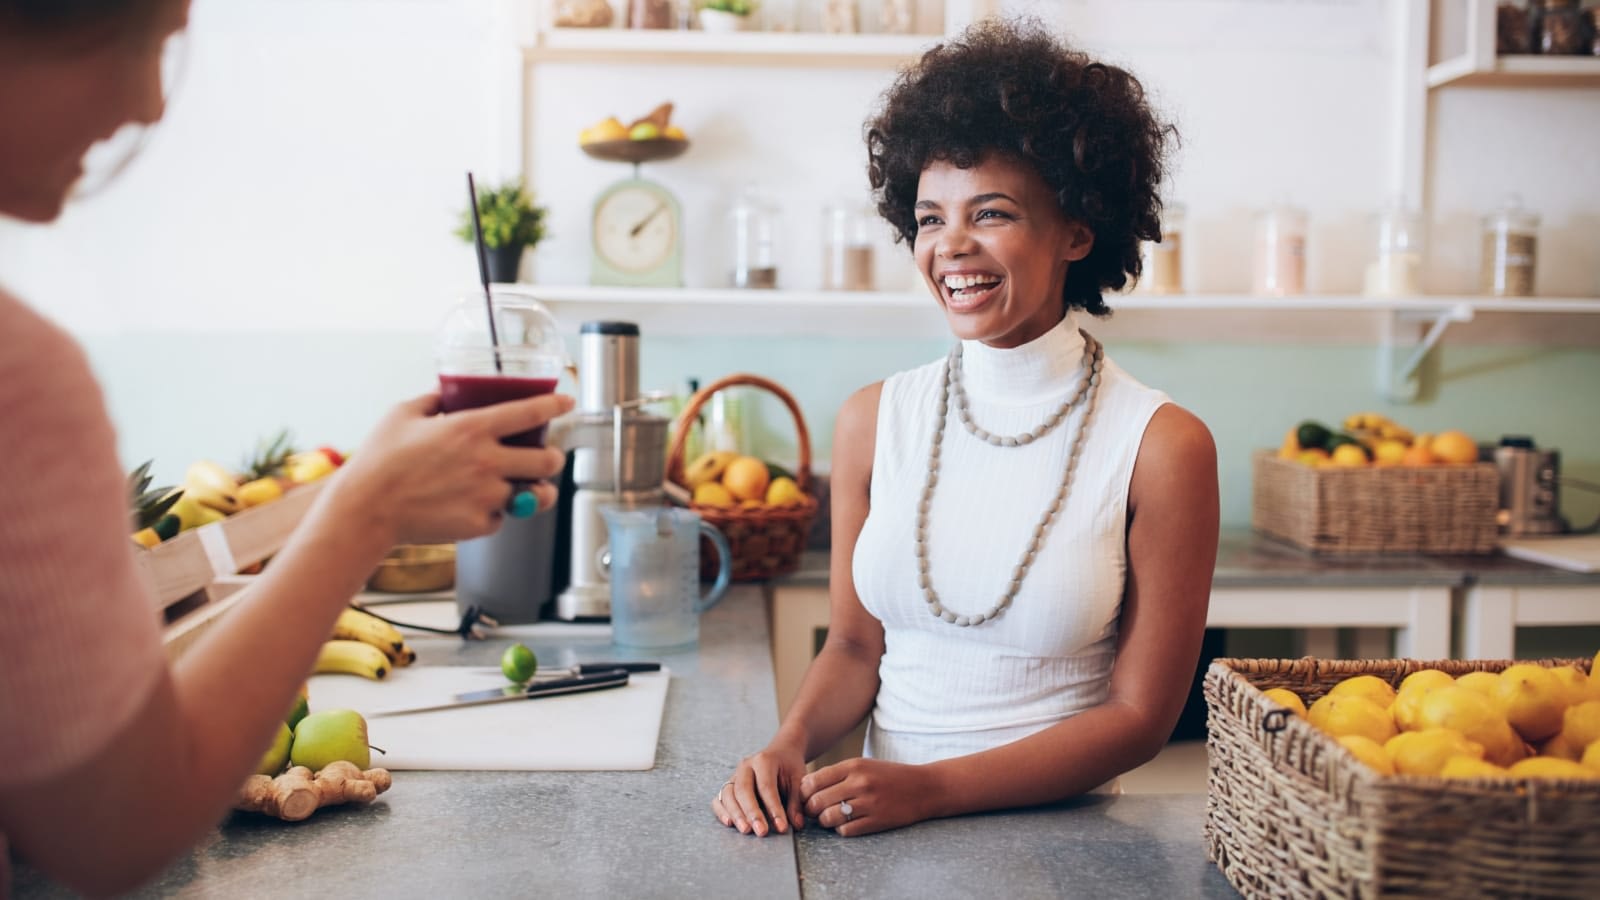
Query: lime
518	663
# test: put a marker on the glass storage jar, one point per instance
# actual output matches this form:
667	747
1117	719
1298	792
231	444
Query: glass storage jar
1280	257
847	248
1558	28
1510	250
1396	268
841	16
651	14
1161	263
1513	31
753	221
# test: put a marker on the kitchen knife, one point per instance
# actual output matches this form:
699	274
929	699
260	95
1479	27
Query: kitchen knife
594	668
599	681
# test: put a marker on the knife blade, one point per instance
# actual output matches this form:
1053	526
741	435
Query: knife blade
599	681
594	668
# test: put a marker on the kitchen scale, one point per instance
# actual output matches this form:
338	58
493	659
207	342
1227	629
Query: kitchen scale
636	239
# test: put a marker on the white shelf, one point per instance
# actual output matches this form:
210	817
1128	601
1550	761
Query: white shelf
640	46
1522	71
1228	317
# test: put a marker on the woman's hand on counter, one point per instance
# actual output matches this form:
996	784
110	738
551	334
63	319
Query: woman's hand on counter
878	795
763	795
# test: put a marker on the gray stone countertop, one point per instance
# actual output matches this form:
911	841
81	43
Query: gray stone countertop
1249	560
1134	846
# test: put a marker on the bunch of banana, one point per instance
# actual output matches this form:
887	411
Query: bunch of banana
352	658
213	485
1370	428
358	625
707	467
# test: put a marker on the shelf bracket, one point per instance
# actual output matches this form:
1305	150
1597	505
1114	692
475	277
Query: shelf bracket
1401	381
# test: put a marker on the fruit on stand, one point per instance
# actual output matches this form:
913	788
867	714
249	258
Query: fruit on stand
352	658
1526	721
1370	439
328	736
653	126
297	793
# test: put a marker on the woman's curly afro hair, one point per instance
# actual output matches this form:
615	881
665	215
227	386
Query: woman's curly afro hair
1013	88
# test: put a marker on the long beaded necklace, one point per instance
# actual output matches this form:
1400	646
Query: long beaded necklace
1087	390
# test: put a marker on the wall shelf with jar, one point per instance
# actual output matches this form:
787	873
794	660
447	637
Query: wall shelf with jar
1525	43
764	48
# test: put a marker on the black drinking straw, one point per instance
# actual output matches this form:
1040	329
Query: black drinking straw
483	271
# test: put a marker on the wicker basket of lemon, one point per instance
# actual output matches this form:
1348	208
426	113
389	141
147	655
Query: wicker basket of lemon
1362	778
765	516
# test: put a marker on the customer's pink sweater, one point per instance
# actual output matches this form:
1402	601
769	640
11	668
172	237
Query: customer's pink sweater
80	640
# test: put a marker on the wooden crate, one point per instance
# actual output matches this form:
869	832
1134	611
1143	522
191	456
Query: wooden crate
1376	509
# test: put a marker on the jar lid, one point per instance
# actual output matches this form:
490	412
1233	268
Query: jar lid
1512	215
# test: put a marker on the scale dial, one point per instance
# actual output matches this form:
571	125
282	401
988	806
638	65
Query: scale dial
637	236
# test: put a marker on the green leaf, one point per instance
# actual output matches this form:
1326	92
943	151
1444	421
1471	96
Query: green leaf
508	215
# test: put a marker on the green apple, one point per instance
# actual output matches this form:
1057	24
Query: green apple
644	131
329	736
277	756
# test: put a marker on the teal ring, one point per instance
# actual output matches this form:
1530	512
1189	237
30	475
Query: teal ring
523	504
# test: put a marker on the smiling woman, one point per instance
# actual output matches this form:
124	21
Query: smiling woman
1023	534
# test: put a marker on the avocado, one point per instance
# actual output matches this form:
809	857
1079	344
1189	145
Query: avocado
1313	434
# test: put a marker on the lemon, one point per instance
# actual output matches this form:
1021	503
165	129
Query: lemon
1481	682
1471	767
1369	686
1576	683
783	491
1349	715
1368	751
1349	455
1416	686
1390	452
1560	749
1549	767
1532	700
518	663
1580	725
1312	456
712	494
1287	699
1426	752
1591	757
1475	718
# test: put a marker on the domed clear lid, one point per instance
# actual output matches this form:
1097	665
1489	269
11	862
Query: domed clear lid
528	337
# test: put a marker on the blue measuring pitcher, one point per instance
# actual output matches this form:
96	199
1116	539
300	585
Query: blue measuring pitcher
653	563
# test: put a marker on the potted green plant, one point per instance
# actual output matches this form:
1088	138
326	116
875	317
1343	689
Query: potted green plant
726	15
511	224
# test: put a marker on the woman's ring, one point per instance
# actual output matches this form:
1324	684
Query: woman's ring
846	809
523	503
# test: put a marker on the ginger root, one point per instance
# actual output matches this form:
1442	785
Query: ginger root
296	794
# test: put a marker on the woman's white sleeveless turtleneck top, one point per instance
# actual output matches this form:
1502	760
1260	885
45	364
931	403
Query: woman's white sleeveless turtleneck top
948	691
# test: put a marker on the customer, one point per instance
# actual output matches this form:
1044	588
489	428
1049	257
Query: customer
112	761
1023	535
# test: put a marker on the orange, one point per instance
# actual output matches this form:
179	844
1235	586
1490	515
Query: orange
1418	454
746	478
1454	447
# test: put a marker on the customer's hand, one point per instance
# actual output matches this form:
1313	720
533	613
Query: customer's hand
432	478
763	794
880	795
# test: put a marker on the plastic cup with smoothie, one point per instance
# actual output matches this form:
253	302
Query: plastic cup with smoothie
528	361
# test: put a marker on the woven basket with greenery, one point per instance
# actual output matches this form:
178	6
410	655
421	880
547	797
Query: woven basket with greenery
1290	813
766	540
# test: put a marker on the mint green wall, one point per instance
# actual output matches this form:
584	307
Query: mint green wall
177	397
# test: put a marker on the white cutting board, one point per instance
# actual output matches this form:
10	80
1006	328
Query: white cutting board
1580	553
612	729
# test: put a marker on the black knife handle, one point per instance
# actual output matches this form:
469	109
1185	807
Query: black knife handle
596	667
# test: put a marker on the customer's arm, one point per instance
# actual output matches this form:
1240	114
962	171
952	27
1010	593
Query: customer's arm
140	789
1172	545
842	682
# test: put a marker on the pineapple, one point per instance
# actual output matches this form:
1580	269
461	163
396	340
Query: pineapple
149	508
269	458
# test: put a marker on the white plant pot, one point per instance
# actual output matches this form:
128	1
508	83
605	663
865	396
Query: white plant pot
717	21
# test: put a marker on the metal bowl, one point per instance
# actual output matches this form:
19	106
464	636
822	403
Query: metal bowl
416	569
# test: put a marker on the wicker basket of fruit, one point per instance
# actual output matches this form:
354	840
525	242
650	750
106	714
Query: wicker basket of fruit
765	517
1454	778
1375	488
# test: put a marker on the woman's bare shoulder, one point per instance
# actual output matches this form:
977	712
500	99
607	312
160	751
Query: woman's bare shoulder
1177	456
855	430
